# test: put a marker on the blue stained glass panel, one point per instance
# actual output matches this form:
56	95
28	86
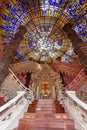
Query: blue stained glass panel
53	3
7	43
15	14
81	2
44	12
60	42
30	46
60	1
5	17
25	58
8	6
51	12
66	58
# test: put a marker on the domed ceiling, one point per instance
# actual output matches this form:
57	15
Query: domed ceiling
45	40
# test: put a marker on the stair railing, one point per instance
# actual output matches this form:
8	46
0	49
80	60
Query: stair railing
29	92
13	110
73	84
76	109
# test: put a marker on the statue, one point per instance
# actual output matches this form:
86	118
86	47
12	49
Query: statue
45	90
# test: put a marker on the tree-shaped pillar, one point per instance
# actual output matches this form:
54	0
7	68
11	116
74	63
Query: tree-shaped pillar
9	52
80	47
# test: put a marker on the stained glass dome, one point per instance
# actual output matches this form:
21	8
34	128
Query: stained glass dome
45	39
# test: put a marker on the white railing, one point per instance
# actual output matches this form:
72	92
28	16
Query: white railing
12	101
20	98
11	85
76	109
72	96
12	111
27	90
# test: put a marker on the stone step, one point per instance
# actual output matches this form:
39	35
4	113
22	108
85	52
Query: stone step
46	115
26	124
42	116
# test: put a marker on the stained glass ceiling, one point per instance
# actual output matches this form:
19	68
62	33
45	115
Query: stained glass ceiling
45	40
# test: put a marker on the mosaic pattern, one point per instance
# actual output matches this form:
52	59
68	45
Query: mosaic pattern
45	40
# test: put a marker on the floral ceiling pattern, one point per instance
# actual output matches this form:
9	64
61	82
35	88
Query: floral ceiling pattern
45	40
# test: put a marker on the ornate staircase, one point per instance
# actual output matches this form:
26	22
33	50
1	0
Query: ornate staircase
45	114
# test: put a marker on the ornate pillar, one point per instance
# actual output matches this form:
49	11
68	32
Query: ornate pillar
80	47
37	93
9	52
53	92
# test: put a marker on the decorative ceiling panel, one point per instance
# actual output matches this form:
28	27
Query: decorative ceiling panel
45	40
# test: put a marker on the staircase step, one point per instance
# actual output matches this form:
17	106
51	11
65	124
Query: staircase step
46	103
46	115
48	100
46	106
25	124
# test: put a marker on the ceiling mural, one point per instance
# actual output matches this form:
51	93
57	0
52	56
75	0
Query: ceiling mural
45	40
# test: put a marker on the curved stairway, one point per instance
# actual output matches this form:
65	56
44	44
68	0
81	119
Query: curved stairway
46	114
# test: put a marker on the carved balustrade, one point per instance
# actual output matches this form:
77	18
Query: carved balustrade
76	109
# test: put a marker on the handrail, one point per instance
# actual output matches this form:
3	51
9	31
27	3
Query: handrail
76	109
73	83
12	101
19	80
27	90
72	96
